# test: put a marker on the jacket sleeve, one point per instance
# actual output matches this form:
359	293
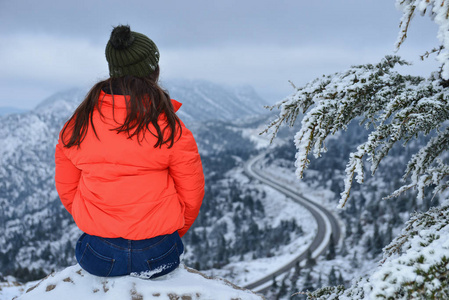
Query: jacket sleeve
67	177
187	172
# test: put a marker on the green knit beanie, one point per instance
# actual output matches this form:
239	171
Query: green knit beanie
130	53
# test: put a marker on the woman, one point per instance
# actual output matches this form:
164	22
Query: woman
127	169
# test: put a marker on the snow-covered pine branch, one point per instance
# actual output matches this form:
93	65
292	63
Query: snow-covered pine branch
395	107
439	12
415	264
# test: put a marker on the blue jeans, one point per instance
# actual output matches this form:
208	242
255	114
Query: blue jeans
148	258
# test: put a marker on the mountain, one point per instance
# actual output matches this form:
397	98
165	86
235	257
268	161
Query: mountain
7	110
206	101
202	101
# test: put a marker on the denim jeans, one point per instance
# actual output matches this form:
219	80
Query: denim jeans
148	258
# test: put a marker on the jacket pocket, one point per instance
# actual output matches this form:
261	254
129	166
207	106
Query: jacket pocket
95	263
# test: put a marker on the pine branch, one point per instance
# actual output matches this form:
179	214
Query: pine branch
396	108
434	50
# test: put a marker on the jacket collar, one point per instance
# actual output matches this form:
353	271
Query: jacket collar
119	101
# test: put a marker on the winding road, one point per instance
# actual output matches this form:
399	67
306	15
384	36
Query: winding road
327	224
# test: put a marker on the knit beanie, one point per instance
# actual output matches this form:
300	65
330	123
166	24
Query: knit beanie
130	53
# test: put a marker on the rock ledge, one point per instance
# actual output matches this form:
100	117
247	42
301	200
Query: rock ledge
73	283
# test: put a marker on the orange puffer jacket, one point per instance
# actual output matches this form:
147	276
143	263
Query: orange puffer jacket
115	187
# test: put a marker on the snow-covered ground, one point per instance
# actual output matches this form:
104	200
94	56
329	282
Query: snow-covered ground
73	283
11	288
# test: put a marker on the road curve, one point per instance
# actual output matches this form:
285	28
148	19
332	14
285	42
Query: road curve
326	224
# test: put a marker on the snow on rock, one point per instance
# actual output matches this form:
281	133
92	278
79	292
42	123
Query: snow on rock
73	283
10	287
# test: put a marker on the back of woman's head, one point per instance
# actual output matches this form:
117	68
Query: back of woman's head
130	53
134	71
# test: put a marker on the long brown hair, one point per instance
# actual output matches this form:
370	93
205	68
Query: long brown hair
145	101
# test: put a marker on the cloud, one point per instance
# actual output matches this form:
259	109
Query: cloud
36	66
48	45
44	58
268	68
44	64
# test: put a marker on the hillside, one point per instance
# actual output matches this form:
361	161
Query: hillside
244	228
38	235
205	101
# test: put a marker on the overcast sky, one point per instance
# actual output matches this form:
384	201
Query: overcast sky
47	46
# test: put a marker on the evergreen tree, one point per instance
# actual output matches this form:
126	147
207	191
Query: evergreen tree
388	236
348	227
354	261
396	109
377	243
194	238
68	251
222	254
359	233
310	261
331	250
308	282
352	208
368	245
320	281
340	280
332	278
385	100
343	251
296	274
274	284
283	288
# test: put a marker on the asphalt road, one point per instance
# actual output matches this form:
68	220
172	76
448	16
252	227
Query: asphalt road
326	224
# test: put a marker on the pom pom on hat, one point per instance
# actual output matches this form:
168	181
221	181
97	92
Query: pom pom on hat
130	53
121	37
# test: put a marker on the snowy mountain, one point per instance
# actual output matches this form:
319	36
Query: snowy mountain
7	110
202	101
208	101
